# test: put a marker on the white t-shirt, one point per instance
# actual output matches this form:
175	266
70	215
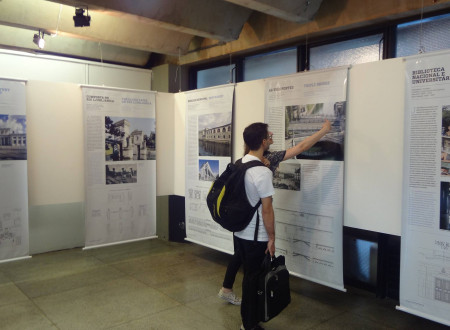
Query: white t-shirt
258	184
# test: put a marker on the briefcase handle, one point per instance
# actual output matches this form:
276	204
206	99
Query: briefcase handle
272	262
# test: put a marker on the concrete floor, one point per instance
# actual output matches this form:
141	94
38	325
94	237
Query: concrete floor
156	284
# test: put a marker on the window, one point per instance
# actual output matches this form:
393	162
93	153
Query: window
360	259
354	51
431	34
216	76
270	64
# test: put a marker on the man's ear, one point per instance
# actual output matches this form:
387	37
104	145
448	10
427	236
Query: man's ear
264	143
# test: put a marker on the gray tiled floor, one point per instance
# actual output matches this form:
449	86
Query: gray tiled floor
165	285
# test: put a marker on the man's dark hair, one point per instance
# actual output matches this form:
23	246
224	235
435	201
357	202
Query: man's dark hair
254	135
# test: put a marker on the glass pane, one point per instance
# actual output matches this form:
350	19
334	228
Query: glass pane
360	260
270	64
355	51
215	76
434	37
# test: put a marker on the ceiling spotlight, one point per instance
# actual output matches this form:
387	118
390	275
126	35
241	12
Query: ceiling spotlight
80	19
38	39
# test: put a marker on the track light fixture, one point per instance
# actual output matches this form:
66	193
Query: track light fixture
80	19
38	39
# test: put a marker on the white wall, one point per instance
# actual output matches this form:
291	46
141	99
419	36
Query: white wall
374	147
249	108
55	143
27	66
55	166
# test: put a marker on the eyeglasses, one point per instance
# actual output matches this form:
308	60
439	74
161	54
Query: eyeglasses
269	137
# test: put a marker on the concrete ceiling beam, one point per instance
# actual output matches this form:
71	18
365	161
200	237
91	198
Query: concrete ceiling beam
299	11
113	30
214	19
22	39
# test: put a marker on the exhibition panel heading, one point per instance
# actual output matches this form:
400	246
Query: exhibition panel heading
124	100
309	85
429	75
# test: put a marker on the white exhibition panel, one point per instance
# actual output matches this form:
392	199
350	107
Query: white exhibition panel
374	147
120	165
179	147
248	109
55	143
165	141
14	223
308	199
208	152
425	257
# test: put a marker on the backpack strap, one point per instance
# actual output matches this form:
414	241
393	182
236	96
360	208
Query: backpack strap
245	167
255	237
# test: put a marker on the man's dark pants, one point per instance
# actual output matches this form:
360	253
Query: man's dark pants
252	254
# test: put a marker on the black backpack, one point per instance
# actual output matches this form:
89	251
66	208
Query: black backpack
227	200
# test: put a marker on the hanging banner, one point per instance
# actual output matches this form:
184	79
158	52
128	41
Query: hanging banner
14	241
120	165
308	200
425	247
208	152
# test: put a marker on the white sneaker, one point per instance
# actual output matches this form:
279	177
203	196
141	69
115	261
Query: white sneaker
230	297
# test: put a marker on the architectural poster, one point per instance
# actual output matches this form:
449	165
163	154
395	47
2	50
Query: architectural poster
308	200
208	152
14	241
425	249
120	165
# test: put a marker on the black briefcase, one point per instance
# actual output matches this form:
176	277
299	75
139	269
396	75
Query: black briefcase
273	288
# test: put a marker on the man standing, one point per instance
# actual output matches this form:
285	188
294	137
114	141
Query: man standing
258	186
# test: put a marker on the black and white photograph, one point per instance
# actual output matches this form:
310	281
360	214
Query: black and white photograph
121	173
303	120
130	139
13	137
214	134
288	177
208	170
